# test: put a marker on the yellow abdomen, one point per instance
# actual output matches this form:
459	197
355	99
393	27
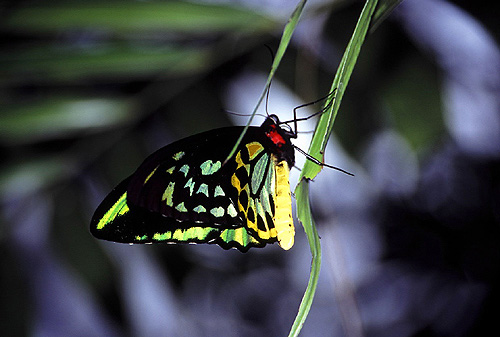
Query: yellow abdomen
283	221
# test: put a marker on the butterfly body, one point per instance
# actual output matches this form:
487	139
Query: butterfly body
186	192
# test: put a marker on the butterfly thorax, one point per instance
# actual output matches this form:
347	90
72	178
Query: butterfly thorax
279	139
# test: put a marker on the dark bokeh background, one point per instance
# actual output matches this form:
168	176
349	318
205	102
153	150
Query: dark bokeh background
410	244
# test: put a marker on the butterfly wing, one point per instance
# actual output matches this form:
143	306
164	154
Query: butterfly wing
115	221
184	193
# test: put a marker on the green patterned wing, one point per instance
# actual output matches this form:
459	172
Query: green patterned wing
115	221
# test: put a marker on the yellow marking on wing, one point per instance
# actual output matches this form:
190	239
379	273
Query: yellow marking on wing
252	224
236	182
190	234
178	234
238	160
119	208
150	175
254	148
239	235
257	209
240	163
162	236
178	155
260	205
283	221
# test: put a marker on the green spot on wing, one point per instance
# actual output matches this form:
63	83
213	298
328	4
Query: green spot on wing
219	191
191	234
228	238
203	189
199	209
181	207
167	195
232	211
259	172
209	167
190	185
178	155
184	169
217	211
238	235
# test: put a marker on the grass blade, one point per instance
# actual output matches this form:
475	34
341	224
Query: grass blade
284	42
325	124
316	149
305	217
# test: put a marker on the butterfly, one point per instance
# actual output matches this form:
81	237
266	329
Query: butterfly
187	193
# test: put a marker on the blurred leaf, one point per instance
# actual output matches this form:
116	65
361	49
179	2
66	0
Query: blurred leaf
42	63
134	16
22	179
412	96
57	116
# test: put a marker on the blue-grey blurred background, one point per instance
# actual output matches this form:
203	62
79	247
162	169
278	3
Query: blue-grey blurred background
410	244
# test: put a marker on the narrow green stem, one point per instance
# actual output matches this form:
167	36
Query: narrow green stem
318	144
305	216
340	81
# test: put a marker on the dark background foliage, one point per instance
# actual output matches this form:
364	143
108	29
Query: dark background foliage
410	244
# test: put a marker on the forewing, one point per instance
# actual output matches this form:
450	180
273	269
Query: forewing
183	193
115	221
188	182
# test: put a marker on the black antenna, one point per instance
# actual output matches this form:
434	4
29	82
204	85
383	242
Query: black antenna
295	120
316	161
323	110
269	87
242	114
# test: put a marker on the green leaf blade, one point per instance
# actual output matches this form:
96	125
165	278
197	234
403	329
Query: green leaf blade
61	116
305	217
342	77
125	17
